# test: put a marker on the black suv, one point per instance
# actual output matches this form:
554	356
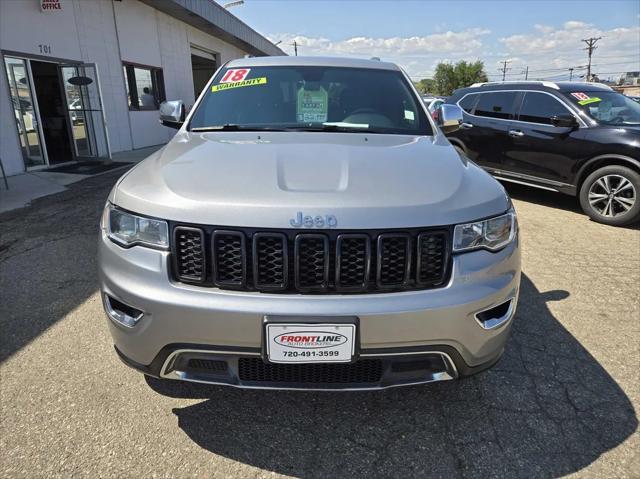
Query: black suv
576	138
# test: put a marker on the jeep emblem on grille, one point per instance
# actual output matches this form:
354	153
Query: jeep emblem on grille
327	221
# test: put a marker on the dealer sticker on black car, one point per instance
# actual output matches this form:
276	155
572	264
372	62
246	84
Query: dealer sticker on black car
310	343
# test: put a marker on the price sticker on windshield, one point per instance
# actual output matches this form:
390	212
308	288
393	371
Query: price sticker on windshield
580	96
235	75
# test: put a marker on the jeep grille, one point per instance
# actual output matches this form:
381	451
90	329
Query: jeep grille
294	261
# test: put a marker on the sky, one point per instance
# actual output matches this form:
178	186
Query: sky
544	35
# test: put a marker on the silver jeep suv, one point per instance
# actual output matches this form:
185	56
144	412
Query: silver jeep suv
309	226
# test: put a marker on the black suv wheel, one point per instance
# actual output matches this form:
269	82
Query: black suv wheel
610	195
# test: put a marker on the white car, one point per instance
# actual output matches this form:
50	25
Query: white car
302	231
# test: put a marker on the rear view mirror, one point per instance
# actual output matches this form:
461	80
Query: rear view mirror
564	121
449	118
172	113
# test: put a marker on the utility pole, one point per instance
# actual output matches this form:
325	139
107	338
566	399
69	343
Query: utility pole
504	68
526	73
295	47
570	73
591	46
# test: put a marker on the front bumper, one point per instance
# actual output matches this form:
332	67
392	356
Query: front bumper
246	369
431	325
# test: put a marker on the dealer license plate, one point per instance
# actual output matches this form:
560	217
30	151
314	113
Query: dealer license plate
310	343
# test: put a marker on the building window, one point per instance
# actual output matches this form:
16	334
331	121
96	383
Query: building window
145	87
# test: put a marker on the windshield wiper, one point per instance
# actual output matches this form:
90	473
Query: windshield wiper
330	127
234	127
338	127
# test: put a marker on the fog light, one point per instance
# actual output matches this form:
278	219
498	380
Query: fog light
493	317
121	313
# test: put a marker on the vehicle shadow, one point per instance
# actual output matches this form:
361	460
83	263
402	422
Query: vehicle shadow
48	259
547	409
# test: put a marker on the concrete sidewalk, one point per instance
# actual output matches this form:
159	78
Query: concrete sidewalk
26	187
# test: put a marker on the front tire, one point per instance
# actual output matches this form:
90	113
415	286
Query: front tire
610	195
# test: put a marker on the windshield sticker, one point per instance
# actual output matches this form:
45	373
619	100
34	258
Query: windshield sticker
312	105
580	96
239	84
589	100
235	75
409	115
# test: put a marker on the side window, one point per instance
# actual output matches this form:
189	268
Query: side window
539	108
496	104
145	87
468	102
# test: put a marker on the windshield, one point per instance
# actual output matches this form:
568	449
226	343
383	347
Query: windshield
608	107
311	99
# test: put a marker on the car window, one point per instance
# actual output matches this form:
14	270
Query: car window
540	108
468	102
312	98
607	107
496	104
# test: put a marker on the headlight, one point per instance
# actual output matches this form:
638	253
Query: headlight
128	229
492	234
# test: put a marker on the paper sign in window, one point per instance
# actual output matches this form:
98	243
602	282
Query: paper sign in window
312	105
235	75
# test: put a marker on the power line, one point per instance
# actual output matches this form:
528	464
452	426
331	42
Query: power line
559	69
577	66
611	73
617	63
542	70
545	71
634	55
591	46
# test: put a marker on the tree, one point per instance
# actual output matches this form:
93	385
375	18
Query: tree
449	77
426	85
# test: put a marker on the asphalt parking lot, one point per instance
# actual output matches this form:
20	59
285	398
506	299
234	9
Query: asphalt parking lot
563	399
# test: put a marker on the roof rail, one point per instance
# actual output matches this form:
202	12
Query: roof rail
548	84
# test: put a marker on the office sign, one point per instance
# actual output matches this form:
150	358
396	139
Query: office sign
50	5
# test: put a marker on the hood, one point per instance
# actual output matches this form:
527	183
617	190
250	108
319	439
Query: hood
630	128
267	179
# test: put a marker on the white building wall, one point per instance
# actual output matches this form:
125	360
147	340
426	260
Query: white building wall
176	58
106	33
139	43
25	29
99	44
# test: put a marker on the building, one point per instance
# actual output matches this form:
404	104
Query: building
628	90
83	78
630	78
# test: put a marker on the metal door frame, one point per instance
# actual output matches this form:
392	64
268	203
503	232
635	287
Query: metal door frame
36	108
105	130
27	58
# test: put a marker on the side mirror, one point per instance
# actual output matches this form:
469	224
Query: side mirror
449	118
564	121
172	113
